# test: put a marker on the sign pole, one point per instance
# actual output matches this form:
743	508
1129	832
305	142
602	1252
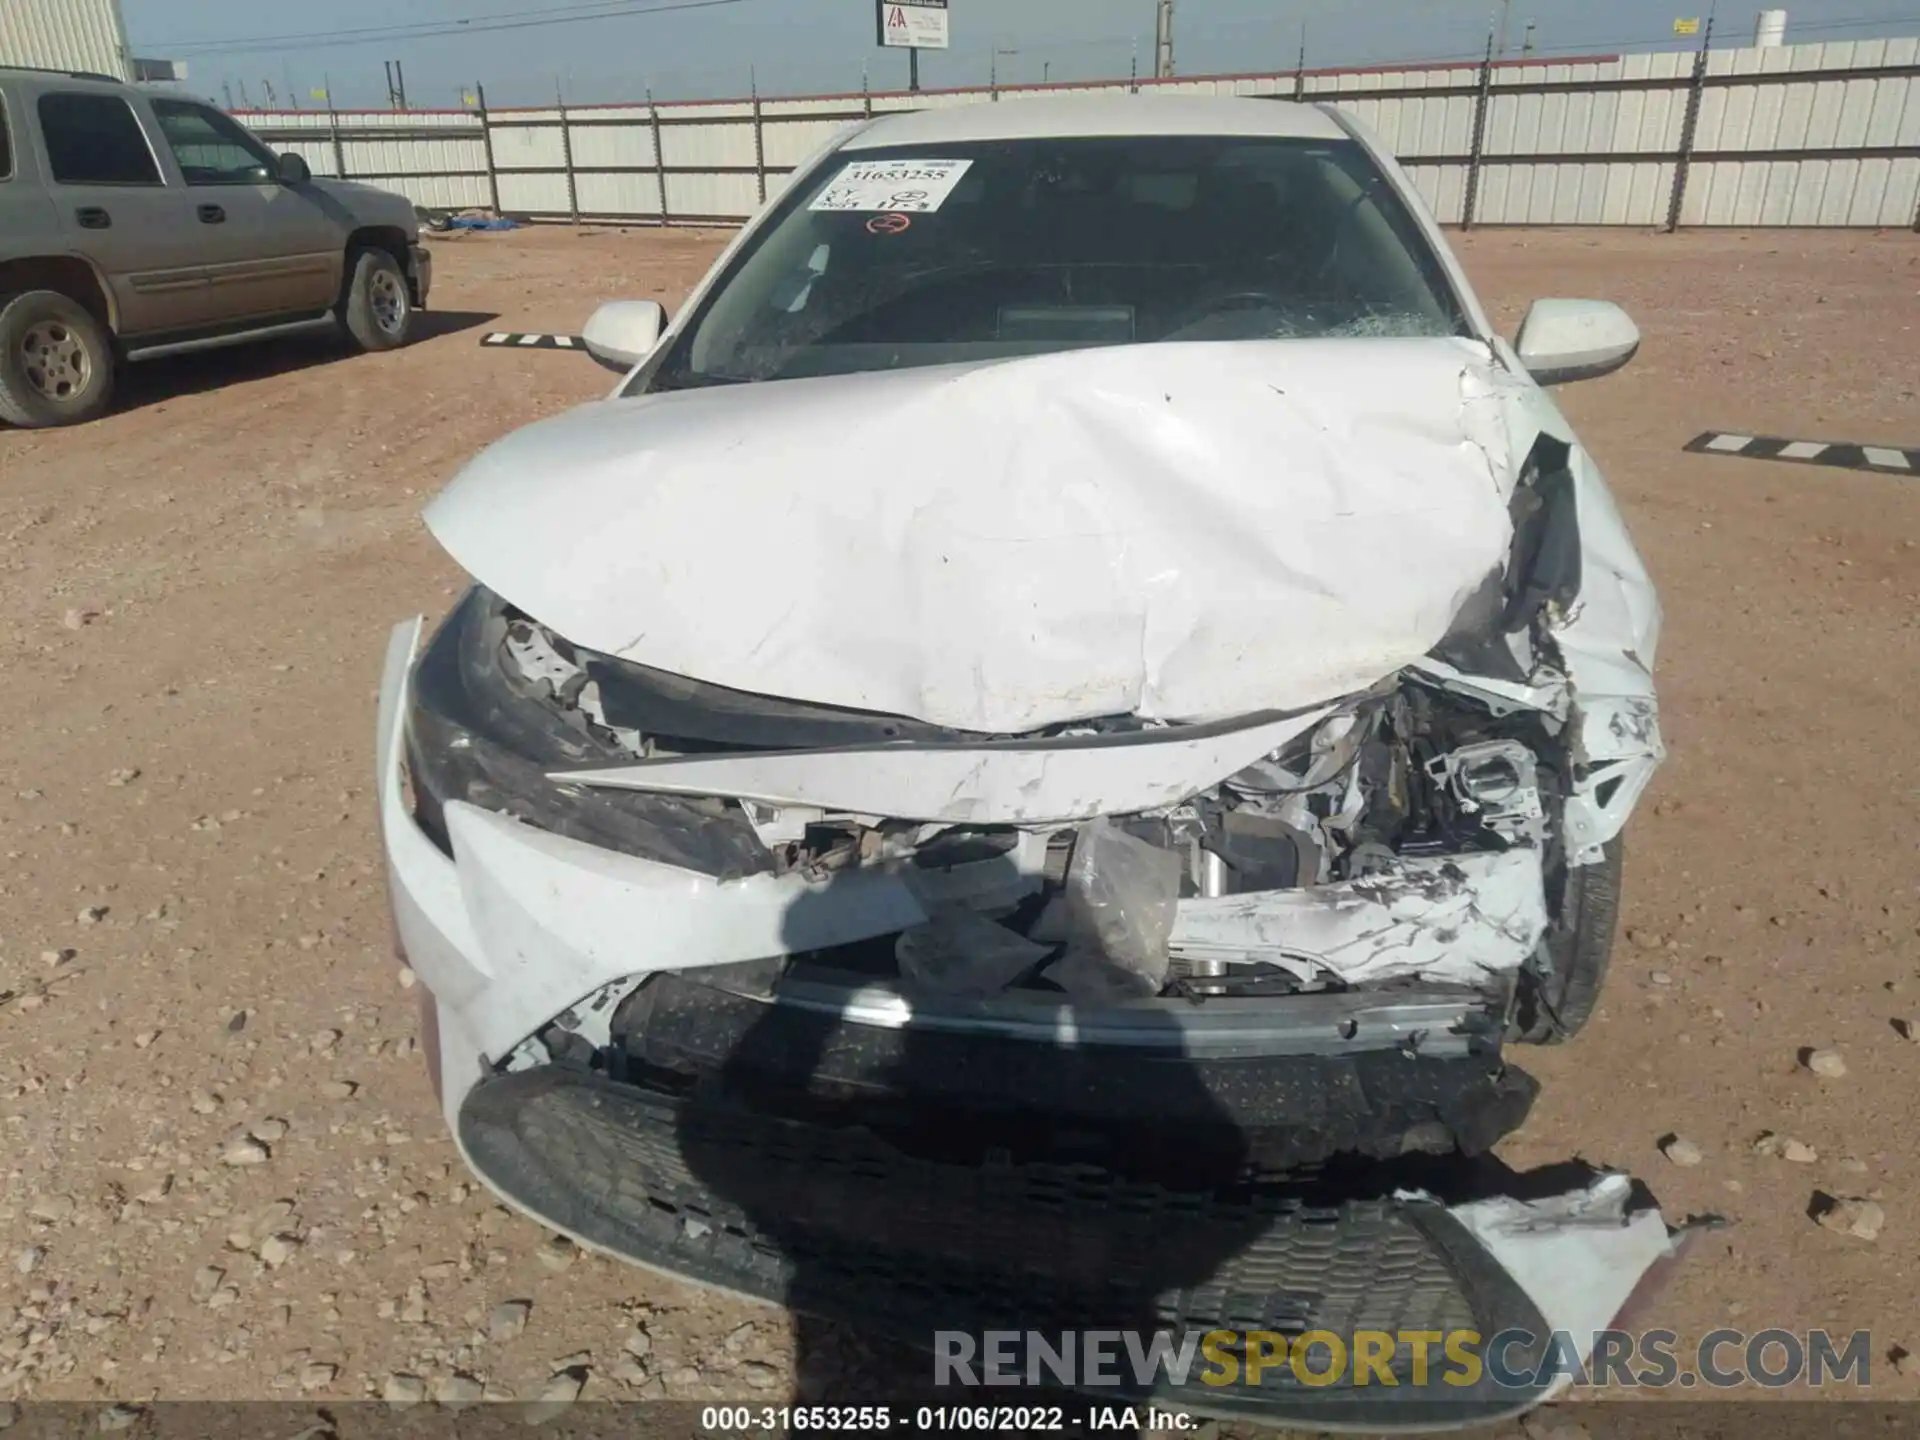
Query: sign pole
913	67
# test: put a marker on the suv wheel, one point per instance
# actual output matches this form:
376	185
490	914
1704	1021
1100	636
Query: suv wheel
378	307
56	361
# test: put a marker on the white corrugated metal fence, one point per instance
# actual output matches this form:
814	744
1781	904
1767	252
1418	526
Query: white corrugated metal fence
65	35
1824	135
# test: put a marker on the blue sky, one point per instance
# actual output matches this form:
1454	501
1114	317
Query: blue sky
523	49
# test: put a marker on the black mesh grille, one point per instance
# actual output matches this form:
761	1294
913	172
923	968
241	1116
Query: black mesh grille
836	1223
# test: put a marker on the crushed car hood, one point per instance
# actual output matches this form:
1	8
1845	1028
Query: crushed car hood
1185	532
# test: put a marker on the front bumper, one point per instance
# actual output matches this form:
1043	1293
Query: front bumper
836	1202
420	272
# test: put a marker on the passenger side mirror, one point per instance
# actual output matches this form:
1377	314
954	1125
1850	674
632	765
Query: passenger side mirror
622	333
293	170
1564	340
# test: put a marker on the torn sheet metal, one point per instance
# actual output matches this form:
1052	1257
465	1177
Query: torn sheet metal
1183	532
1446	919
1014	782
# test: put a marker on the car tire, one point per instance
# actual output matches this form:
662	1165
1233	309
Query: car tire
377	309
56	361
1558	994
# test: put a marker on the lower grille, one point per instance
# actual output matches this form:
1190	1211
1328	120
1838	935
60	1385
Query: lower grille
836	1223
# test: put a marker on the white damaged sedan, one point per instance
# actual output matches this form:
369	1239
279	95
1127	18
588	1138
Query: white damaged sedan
1022	771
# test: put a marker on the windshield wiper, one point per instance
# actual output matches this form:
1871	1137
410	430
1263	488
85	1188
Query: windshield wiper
688	380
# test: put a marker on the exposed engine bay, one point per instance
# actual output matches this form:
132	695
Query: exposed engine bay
1405	833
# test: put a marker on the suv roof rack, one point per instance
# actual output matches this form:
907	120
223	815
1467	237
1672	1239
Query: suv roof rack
66	74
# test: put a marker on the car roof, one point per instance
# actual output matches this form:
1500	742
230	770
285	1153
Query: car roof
1059	117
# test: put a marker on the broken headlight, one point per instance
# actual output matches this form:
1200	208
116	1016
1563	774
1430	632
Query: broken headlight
479	731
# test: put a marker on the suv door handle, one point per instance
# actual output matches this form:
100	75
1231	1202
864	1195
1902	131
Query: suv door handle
92	217
212	215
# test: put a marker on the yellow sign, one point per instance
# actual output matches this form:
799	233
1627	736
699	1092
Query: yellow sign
467	99
1687	27
316	94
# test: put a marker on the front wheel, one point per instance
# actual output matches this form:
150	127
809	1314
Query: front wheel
1558	995
56	361
377	309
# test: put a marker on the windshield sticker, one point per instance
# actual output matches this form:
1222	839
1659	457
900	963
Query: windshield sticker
892	223
918	186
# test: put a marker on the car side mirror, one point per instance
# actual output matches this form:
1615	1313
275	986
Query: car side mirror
292	170
1565	340
622	333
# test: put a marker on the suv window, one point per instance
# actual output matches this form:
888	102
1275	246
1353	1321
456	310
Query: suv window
95	140
210	148
6	145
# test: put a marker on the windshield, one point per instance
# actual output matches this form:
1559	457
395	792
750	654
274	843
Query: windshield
883	259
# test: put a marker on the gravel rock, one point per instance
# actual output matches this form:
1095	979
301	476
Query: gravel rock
223	1298
1798	1153
51	1209
558	1253
1862	1219
759	1375
629	1371
206	1280
403	1389
507	1320
458	1391
1905	1362
118	1417
28	1260
317	1375
1826	1063
276	1250
413	1310
638	1343
554	1397
1906	1029
338	1090
1681	1151
246	1150
268	1132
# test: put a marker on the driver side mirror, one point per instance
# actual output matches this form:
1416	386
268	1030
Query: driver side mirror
622	333
292	170
1565	340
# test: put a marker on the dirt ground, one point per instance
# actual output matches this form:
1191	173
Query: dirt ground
193	937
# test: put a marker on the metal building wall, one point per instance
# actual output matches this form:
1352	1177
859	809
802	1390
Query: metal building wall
65	35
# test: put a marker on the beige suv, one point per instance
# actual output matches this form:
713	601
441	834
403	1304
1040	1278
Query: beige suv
136	224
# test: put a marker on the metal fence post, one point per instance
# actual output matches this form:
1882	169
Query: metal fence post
566	159
1480	106
486	144
1300	66
659	156
333	134
1689	124
759	147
